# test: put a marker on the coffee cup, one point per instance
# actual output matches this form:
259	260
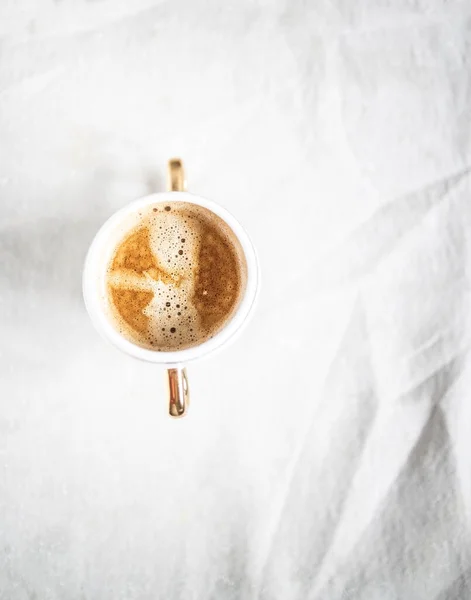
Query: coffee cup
169	279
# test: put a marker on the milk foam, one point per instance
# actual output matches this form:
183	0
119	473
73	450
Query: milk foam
176	277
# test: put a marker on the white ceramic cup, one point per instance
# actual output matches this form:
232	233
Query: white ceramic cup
94	291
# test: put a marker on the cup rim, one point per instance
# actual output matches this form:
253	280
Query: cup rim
93	270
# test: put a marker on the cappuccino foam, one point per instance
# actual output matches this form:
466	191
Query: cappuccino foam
176	277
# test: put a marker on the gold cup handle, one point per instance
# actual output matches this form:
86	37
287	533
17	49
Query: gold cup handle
176	181
179	393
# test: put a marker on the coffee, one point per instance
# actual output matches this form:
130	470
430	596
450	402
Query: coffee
175	278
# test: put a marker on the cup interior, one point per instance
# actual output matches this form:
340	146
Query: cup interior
99	255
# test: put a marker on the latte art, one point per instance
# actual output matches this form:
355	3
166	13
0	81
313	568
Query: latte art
175	278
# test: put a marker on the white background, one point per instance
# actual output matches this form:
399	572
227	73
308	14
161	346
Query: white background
327	454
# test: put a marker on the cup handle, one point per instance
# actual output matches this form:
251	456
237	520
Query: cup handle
176	181
179	393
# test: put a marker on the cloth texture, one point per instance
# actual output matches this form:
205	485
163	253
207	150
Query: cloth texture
327	452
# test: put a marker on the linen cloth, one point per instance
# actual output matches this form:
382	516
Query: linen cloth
327	452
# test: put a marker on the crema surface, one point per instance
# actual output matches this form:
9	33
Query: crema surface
175	278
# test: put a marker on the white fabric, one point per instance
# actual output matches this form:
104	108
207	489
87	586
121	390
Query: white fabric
327	454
